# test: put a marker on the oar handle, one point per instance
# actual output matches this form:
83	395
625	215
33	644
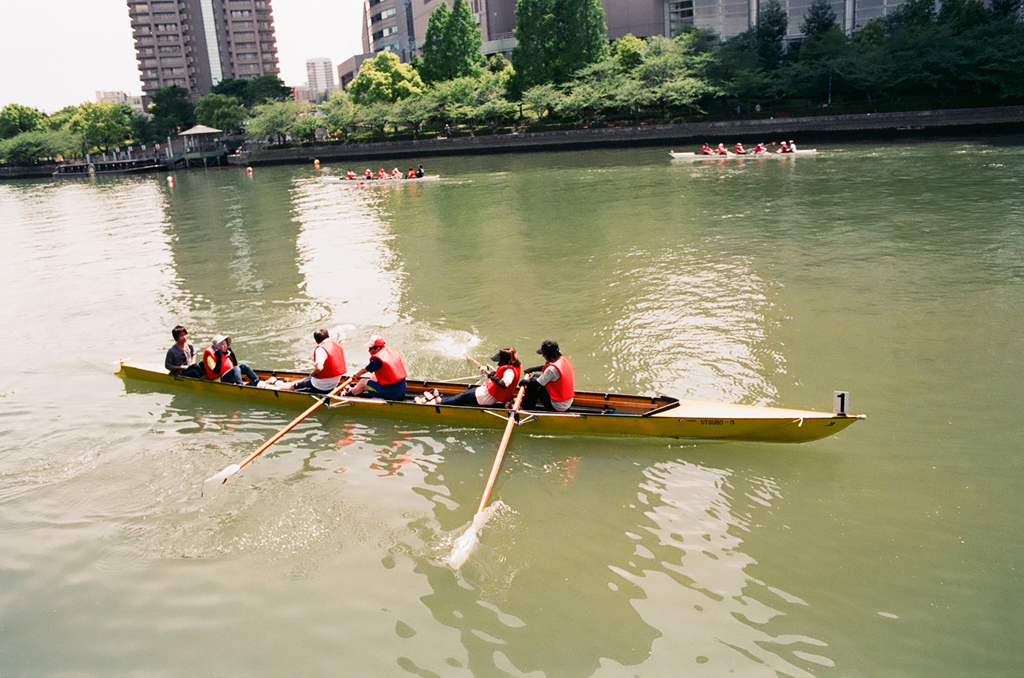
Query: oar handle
472	360
501	449
277	436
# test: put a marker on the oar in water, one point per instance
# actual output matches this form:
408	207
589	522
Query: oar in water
213	482
464	544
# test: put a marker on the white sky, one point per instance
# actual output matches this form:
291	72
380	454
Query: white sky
56	53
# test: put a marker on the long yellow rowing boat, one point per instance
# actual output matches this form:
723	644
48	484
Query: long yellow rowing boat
591	414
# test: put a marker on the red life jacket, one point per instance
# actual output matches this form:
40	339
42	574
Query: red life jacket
564	388
392	370
334	366
503	394
210	363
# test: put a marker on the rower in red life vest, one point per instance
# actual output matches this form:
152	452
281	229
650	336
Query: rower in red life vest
369	174
381	174
350	174
218	365
759	148
739	149
396	173
411	174
554	388
783	148
388	372
721	150
706	150
500	387
328	367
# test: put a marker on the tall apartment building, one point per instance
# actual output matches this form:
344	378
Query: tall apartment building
197	43
319	75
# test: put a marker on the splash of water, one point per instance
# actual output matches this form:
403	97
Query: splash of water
465	544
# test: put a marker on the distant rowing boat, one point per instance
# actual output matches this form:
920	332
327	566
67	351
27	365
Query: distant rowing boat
734	156
387	181
600	414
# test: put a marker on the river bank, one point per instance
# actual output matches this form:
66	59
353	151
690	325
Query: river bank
808	130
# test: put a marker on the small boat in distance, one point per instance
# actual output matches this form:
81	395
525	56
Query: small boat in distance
601	414
735	156
386	181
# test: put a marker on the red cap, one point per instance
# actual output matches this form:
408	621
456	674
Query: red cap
375	340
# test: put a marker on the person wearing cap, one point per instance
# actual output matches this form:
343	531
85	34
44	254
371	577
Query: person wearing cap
328	367
181	358
499	388
792	146
553	389
388	371
219	363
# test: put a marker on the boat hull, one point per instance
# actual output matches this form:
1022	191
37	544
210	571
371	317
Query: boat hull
363	181
734	156
593	413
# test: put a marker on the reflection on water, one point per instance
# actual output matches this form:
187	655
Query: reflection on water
760	282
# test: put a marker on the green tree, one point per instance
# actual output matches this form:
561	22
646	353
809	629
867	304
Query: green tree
963	15
1007	9
412	112
628	51
819	18
542	100
231	87
266	88
172	111
220	112
384	79
451	44
30	148
340	112
306	125
15	119
497	63
103	125
141	128
772	25
61	118
273	120
556	38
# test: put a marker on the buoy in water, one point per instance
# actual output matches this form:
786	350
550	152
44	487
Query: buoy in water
316	164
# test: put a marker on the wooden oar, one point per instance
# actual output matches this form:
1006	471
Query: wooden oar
464	544
215	481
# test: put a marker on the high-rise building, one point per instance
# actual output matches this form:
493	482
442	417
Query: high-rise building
132	100
320	75
197	43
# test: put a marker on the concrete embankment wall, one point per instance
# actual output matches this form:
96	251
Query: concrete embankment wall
805	130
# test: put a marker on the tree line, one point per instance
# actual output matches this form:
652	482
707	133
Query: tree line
564	73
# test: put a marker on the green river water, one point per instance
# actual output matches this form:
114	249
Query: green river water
893	549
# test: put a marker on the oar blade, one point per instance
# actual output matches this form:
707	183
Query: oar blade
464	545
215	481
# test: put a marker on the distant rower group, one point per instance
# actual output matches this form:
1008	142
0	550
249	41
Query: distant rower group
784	147
551	387
396	173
